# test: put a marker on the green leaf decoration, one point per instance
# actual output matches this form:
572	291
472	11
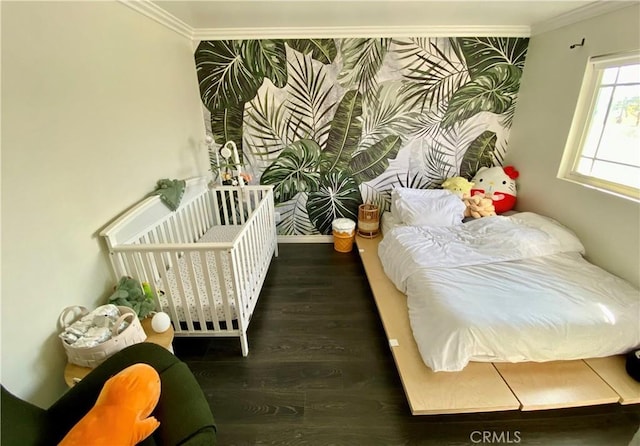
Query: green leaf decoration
295	170
403	178
484	53
224	76
345	132
226	125
391	113
337	197
492	91
309	98
267	127
433	69
322	50
428	124
368	164
361	61
479	154
294	217
145	308
268	58
438	165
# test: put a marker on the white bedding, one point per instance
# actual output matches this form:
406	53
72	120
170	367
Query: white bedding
508	289
388	222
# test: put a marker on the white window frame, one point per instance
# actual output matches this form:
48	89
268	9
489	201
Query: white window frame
581	123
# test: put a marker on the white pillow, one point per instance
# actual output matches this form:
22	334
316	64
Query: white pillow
426	207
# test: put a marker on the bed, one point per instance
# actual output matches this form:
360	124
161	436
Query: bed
507	289
206	262
484	384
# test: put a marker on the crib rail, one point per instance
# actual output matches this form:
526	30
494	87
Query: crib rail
251	256
222	279
151	213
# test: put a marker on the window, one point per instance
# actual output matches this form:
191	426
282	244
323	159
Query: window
603	149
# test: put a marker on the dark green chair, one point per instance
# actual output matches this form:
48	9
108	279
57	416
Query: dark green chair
184	414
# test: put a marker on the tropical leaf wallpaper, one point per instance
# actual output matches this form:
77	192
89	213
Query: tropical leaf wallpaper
333	123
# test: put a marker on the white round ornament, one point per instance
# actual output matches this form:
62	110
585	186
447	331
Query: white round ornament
160	322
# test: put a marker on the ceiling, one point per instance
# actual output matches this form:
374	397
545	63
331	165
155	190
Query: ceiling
265	14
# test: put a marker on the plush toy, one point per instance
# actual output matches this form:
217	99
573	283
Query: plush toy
130	293
458	185
478	206
120	416
497	183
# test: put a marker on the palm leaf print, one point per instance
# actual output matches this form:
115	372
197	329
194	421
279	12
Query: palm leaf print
492	91
484	53
371	195
368	164
224	77
268	127
226	125
361	61
427	125
268	58
322	50
416	181
337	197
330	122
345	132
309	98
295	170
479	154
438	162
294	217
433	69
391	113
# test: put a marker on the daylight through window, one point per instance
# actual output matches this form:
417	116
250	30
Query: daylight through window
605	149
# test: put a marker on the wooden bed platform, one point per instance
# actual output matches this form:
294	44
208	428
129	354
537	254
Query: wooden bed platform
485	386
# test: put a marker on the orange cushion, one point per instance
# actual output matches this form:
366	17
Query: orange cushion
121	413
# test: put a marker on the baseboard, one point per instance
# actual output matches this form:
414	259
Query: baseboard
305	239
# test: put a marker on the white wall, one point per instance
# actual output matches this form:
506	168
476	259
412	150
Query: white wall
608	226
98	103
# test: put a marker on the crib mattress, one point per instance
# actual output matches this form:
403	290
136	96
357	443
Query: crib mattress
172	290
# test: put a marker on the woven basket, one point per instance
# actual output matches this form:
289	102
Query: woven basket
94	356
343	241
343	234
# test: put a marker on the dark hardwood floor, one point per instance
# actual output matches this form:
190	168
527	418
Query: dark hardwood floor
320	372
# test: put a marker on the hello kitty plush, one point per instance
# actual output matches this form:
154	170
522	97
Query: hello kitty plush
497	183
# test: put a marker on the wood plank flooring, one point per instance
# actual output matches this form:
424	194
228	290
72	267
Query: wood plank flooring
320	372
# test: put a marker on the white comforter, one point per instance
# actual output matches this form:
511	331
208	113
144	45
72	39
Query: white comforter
508	289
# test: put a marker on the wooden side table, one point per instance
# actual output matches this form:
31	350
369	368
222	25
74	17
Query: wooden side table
74	373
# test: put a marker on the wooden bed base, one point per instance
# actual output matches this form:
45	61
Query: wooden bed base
485	386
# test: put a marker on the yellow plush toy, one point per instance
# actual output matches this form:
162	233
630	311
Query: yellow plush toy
478	206
458	185
121	413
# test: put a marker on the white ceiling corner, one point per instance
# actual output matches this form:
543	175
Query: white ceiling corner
593	9
154	12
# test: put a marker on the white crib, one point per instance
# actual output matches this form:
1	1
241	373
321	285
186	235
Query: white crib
207	261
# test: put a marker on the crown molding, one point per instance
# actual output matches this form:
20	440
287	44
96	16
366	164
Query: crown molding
577	15
156	13
159	15
360	31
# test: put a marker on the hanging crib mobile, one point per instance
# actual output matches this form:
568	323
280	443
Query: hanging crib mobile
229	168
